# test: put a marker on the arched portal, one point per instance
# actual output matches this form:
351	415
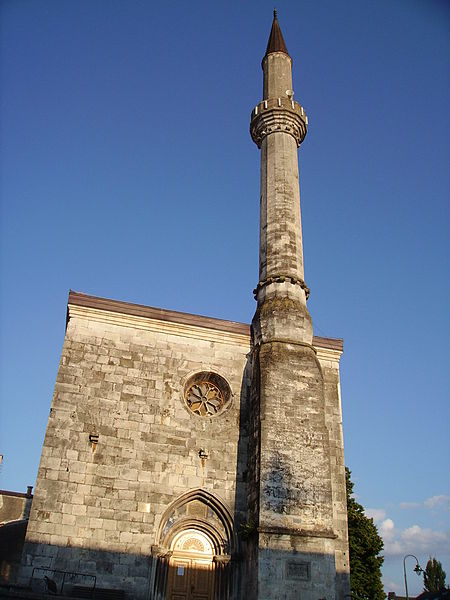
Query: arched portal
194	557
191	567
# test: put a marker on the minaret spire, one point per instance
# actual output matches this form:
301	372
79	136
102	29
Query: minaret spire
276	41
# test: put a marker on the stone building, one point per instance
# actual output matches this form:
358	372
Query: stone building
14	512
188	457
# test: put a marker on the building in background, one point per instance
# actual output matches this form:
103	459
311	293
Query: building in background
193	458
14	513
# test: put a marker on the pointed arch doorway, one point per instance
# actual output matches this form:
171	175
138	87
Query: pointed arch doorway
192	557
191	567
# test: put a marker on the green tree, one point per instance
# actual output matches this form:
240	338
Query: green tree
365	546
434	576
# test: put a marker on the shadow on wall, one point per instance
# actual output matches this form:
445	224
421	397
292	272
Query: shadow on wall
12	538
80	571
241	508
90	573
114	576
195	551
14	512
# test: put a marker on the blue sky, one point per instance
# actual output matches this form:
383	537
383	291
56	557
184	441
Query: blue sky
127	171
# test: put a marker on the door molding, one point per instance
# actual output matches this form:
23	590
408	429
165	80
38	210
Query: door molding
217	521
191	567
204	512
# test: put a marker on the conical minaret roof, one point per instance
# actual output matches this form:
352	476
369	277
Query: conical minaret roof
276	42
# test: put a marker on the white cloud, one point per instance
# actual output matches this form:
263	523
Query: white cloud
408	505
426	539
441	502
420	541
387	530
377	514
413	539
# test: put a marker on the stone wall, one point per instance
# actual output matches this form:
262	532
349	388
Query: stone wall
297	475
333	419
121	444
124	457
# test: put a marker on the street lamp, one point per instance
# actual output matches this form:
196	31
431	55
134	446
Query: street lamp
417	569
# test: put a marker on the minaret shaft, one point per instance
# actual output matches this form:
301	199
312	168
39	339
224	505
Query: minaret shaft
278	127
277	68
281	249
295	467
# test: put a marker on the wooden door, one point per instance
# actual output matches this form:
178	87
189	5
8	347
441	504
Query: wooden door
202	579
178	586
190	579
191	572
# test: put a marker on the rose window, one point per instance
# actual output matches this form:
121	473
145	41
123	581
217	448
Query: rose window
206	394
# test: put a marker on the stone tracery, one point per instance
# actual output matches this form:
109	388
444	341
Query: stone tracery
206	394
204	398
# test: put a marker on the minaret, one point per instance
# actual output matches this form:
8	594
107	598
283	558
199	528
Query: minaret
278	126
292	548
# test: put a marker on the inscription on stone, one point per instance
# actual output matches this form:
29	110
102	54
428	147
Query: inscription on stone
298	570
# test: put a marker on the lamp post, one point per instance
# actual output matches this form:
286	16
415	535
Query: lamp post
417	569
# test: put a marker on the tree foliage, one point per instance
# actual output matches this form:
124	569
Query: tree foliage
365	546
434	576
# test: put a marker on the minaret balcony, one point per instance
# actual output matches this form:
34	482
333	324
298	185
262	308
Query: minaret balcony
281	115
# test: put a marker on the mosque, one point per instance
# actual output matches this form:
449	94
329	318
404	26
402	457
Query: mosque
192	458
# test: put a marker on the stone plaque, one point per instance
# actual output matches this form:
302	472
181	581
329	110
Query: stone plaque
197	509
298	570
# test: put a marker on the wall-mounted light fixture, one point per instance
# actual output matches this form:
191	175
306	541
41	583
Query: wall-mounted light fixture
93	438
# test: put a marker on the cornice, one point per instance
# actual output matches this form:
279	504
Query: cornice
159	326
161	320
327	353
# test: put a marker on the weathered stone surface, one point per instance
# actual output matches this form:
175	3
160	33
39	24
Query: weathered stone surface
109	496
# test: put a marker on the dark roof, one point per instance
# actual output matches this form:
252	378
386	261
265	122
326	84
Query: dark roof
276	41
441	595
17	494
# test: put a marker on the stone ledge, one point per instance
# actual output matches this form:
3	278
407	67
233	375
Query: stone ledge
153	318
316	533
